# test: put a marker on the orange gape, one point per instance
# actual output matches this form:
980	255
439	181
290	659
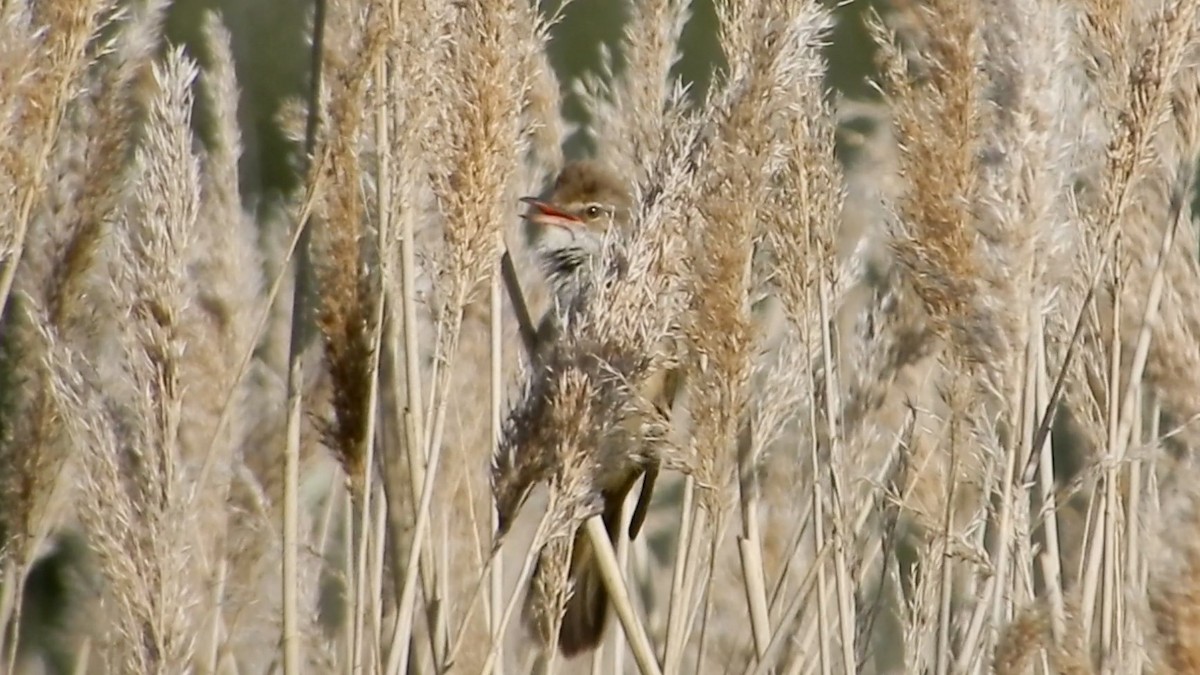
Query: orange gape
566	228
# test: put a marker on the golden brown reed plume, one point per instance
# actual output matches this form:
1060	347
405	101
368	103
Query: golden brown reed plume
770	48
95	253
759	237
483	118
934	243
125	416
49	54
567	229
343	260
52	221
626	108
1142	81
1163	205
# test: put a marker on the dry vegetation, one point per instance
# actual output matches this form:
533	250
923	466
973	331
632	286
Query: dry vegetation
939	391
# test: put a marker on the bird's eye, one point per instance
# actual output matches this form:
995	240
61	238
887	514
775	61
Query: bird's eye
592	211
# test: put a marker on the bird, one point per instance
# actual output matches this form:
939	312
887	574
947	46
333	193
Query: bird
566	229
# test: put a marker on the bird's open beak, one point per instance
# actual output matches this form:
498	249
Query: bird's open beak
544	213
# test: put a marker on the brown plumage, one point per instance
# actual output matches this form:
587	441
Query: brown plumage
566	228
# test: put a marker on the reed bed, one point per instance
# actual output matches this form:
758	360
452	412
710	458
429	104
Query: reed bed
933	353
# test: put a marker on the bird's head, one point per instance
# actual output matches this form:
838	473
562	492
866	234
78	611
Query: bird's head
567	226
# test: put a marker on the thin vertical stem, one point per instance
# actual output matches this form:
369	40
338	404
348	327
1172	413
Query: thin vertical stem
531	555
623	551
610	571
842	578
291	508
1051	558
817	498
1107	528
750	543
680	601
414	425
301	327
368	480
377	566
496	587
944	567
385	228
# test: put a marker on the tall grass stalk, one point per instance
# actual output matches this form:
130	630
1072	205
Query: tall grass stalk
301	314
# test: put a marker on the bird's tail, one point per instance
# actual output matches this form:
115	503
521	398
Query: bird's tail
587	608
586	611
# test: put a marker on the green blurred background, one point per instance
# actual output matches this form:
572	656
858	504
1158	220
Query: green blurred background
270	44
